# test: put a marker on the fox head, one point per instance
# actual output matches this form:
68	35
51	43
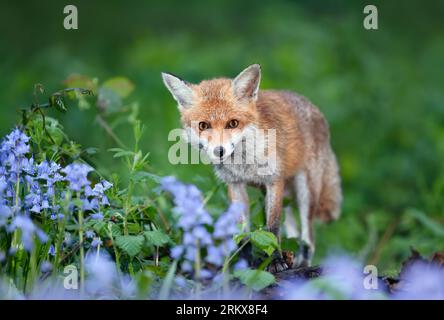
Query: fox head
217	114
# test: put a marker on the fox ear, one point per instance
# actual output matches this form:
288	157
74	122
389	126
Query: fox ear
180	90
246	84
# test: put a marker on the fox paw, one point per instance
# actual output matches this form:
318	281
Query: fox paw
277	265
303	257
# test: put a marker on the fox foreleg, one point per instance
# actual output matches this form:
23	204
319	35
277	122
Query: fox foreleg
238	193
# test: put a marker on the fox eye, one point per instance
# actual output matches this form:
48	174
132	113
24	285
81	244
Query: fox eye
232	124
203	126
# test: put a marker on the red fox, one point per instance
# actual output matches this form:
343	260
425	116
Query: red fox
226	118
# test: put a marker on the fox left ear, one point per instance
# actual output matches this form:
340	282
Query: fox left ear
246	84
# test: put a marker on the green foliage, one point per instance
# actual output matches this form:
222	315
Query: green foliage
132	245
255	279
157	238
263	240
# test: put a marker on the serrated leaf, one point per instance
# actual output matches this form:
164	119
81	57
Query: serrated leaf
121	85
115	230
265	241
255	279
131	245
157	238
134	228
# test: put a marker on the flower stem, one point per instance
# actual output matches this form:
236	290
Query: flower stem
197	269
82	250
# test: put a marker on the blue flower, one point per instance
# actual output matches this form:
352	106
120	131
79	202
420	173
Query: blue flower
46	267
97	216
242	264
77	175
90	234
96	242
28	229
52	250
5	213
177	252
215	256
195	222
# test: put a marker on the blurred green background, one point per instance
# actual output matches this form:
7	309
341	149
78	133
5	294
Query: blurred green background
382	92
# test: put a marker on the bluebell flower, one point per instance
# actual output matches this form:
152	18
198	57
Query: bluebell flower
242	264
205	274
90	234
177	252
52	250
421	281
195	222
96	242
28	229
77	175
5	213
180	281
46	267
97	216
215	256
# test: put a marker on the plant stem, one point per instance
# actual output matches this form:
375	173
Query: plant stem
82	250
197	269
227	261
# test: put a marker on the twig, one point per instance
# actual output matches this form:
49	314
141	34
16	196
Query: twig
102	122
385	238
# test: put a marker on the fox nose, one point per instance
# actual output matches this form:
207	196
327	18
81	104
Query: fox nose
219	152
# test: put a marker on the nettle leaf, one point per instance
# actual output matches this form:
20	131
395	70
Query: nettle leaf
131	245
255	279
157	238
121	85
134	228
115	230
265	241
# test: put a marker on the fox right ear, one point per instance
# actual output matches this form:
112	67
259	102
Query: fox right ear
180	90
246	84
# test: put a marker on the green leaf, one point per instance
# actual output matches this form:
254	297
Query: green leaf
121	85
429	223
255	279
131	245
141	176
157	238
168	282
134	228
91	151
239	237
118	153
289	244
115	230
265	241
80	81
108	100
